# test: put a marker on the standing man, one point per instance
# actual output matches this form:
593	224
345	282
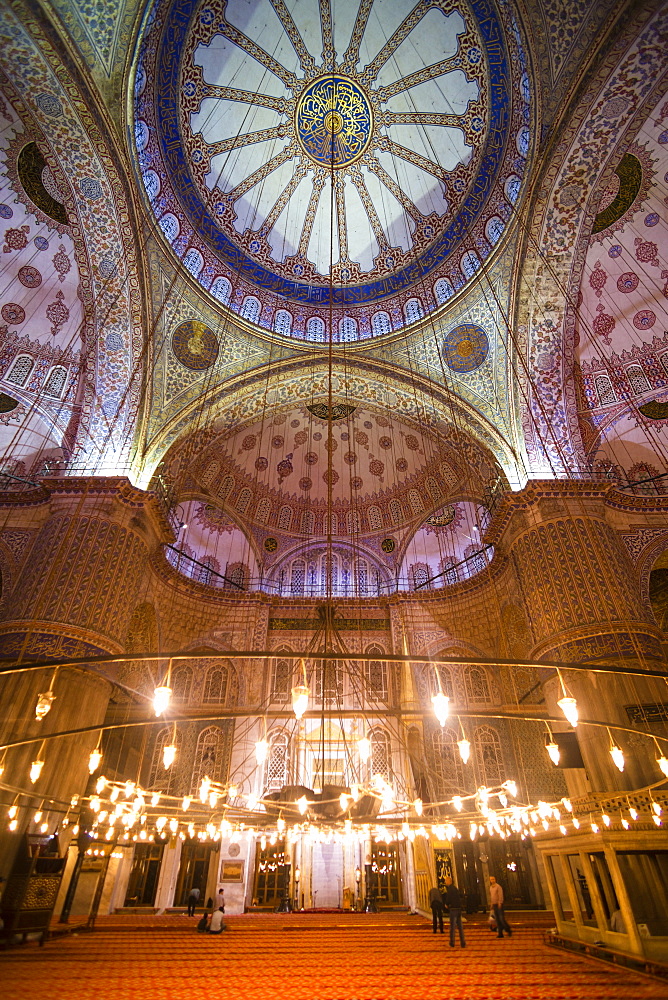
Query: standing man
193	900
436	903
496	897
220	899
453	901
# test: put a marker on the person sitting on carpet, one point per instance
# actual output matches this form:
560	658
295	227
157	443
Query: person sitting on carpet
217	926
202	925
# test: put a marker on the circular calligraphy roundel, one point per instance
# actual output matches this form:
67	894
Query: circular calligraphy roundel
465	348
333	121
195	346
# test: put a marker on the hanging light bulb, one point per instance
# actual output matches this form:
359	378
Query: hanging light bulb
464	750
364	748
300	695
510	786
204	789
261	751
441	704
155	798
457	803
12	811
663	764
174	825
161	697
633	813
553	752
43	706
569	707
343	801
417	806
36	770
617	757
94	760
185	804
302	804
38	816
168	756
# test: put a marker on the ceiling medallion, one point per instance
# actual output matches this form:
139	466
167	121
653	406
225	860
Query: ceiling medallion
339	411
195	346
333	121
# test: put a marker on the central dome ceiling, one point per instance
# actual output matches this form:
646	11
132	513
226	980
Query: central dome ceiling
312	164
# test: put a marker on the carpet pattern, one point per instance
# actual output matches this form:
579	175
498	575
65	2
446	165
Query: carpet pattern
307	957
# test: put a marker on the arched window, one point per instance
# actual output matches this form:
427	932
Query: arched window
278	762
476	561
434	488
281	680
606	393
250	309
193	262
237	576
415	501
328	678
315	329
263	510
243	500
285	518
494	229
413	310
226	487
443	291
448	764
216	684
170	226
283	322
160	778
222	289
353	522
210	473
419	575
436	672
477	685
380	754
297	574
396	512
380	324
375	674
211	757
450	571
362	578
182	682
347	328
55	383
308	522
664	361
375	518
637	379
333	524
151	183
20	370
470	264
203	574
488	752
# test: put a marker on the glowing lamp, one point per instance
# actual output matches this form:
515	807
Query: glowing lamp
261	751
569	707
43	706
94	760
204	790
663	764
364	748
457	803
302	804
36	770
300	695
617	757
553	752
441	704
185	804
155	798
168	756
417	805
161	697
464	750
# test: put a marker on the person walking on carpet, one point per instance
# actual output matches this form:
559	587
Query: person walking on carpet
193	900
453	901
496	898
436	903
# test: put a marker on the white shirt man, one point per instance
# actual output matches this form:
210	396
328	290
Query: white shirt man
496	898
217	926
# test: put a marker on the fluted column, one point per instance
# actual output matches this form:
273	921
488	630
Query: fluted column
584	604
73	598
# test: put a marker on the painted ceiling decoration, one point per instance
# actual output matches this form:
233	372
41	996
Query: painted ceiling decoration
321	171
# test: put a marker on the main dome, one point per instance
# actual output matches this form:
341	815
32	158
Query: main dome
331	170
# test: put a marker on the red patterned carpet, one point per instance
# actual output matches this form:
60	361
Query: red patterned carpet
307	957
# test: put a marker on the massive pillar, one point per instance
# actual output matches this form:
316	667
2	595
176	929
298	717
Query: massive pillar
83	572
584	606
